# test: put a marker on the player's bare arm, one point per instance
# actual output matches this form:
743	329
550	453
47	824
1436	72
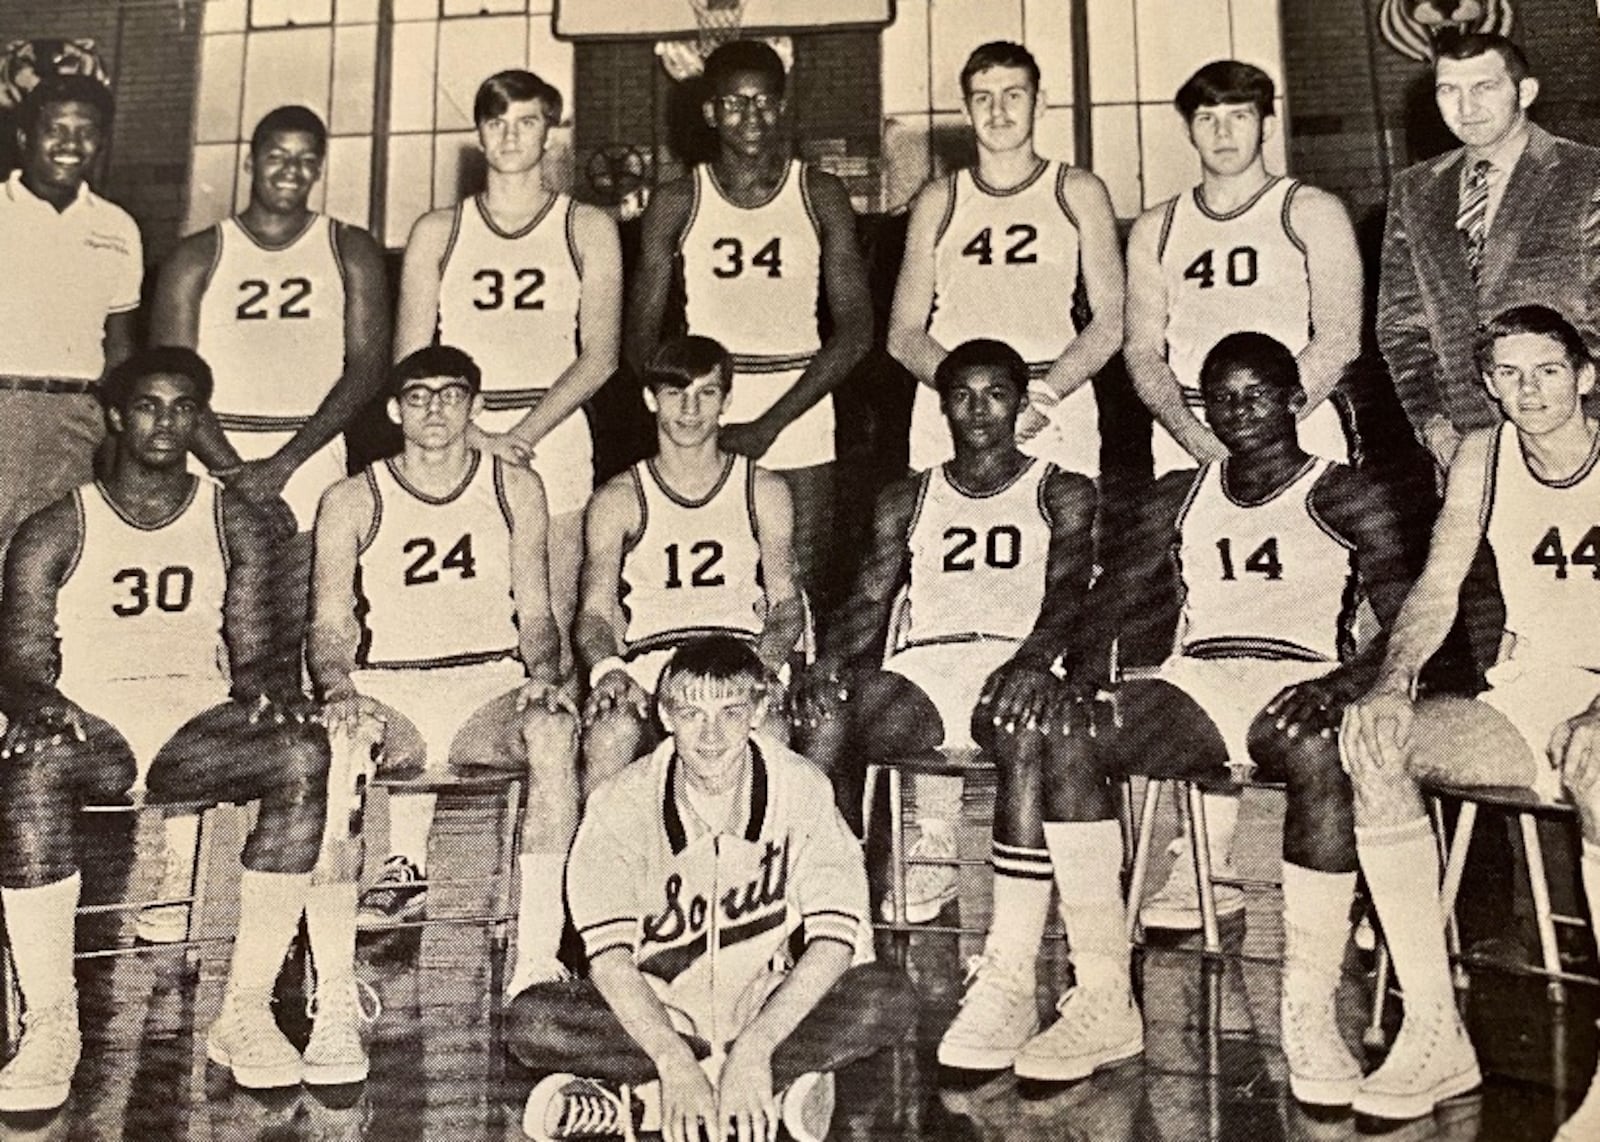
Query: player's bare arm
1145	344
37	560
263	641
1405	338
344	521
686	1095
121	338
861	624
366	343
416	314
540	642
661	229
1333	268
612	522
1101	259
909	342
599	327
1018	692
1376	729
1362	517
785	617
844	283
175	320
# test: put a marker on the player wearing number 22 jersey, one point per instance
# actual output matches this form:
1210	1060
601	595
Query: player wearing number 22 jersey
1020	250
432	633
968	596
695	541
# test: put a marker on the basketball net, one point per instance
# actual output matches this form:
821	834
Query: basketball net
719	22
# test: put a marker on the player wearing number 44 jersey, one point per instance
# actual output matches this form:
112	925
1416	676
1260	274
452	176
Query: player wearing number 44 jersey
761	239
140	659
1007	250
1268	542
529	283
989	556
1531	487
432	639
693	542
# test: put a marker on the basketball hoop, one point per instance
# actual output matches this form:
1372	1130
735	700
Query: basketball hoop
719	22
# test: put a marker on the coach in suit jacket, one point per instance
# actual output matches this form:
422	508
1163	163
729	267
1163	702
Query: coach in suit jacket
1509	218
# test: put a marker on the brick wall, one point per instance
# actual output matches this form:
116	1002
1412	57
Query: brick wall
1358	110
624	99
151	59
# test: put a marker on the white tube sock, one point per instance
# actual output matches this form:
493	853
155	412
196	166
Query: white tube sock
270	904
541	910
1402	867
1316	928
1022	884
1087	859
40	921
331	924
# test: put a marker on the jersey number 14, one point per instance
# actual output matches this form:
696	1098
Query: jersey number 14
1262	561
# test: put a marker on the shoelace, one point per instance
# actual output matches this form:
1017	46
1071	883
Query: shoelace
590	1112
987	968
364	996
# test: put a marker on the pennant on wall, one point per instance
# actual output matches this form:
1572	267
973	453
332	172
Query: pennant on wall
1408	26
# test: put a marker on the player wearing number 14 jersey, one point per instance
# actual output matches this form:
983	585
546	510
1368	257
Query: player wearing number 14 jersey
967	598
695	541
432	633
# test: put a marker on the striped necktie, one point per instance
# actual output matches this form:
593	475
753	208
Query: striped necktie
1473	217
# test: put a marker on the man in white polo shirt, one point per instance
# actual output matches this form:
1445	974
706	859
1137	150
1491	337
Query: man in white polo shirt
63	329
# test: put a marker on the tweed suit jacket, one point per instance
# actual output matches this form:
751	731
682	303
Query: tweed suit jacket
1544	248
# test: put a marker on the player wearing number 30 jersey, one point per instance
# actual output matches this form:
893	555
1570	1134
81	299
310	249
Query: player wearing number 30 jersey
432	637
695	541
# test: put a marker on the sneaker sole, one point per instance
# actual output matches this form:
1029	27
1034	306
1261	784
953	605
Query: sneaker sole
968	1058
30	1100
256	1078
538	1102
1401	1107
412	911
1067	1070
163	930
335	1074
918	912
1324	1092
808	1117
1167	918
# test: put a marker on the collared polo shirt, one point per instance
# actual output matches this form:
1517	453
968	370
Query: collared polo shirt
65	271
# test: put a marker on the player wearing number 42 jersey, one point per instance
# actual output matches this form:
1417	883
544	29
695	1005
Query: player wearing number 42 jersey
1008	250
988	556
528	282
432	639
141	659
1269	543
1531	487
695	541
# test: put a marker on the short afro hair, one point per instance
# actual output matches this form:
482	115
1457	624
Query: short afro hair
290	117
433	361
745	55
57	89
981	353
173	360
1256	353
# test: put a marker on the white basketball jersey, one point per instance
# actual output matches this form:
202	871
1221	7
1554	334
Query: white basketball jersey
695	567
978	562
272	325
1226	273
752	275
1267	580
1006	265
511	299
143	601
1546	540
434	575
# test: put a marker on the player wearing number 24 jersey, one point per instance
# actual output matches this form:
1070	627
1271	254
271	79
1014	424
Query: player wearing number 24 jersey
693	542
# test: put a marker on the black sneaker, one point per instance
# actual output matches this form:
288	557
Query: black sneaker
397	896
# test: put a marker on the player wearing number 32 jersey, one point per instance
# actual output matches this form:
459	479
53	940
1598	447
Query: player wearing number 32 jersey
432	633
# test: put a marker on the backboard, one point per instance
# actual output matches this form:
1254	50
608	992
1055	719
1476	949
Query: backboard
656	19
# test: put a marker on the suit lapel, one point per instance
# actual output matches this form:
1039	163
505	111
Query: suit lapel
1441	201
1519	207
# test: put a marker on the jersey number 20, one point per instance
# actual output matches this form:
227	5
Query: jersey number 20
1002	548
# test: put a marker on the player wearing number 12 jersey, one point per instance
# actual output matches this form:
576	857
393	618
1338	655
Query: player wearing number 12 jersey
529	283
431	632
761	239
989	556
693	542
1531	487
1002	250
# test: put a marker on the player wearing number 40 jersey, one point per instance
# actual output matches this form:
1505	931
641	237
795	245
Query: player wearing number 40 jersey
1269	543
1008	250
695	541
761	239
141	659
1531	487
529	283
432	639
989	556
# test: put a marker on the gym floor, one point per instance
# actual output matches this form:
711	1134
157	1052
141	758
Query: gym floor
1212	1068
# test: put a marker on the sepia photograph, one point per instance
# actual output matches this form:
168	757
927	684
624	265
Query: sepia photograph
755	570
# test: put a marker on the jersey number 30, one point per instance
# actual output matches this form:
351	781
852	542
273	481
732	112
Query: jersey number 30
1551	552
421	570
174	587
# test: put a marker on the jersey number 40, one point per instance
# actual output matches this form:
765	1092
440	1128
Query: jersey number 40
1239	268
